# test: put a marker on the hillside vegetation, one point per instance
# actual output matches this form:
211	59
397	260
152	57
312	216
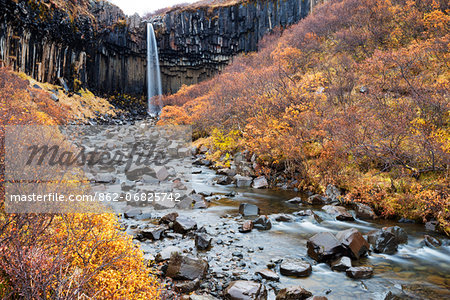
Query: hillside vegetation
355	95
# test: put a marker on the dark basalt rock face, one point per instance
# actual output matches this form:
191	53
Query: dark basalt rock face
95	45
88	43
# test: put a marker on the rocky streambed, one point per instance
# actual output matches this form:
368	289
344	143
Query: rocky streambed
233	238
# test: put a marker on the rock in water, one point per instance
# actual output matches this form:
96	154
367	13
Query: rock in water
202	241
364	212
295	200
317	200
169	218
243	181
166	253
382	241
247	210
260	183
245	290
431	242
293	293
186	268
359	272
324	247
341	264
184	224
262	223
295	267
247	226
268	275
339	212
400	234
354	242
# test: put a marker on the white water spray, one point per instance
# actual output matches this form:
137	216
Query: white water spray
154	89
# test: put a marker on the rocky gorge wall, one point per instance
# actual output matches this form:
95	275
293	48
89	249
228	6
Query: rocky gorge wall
197	42
94	44
86	43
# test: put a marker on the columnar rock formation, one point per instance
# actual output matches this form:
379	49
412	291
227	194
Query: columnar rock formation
89	43
92	43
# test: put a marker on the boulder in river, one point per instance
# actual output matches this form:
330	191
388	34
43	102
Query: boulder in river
201	297
400	234
202	241
262	223
166	253
382	241
353	241
169	218
359	272
317	200
161	173
247	226
339	212
364	211
431	242
283	218
187	286
186	268
295	200
324	247
295	267
268	275
154	233
245	290
293	293
243	181
223	180
260	182
184	224
247	210
227	171
341	264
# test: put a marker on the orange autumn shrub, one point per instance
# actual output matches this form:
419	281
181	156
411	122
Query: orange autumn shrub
63	256
356	94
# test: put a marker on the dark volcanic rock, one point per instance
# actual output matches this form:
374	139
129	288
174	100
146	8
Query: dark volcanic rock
354	242
324	247
339	212
364	212
184	224
187	286
247	226
247	210
296	200
202	241
400	235
268	274
295	267
245	290
431	242
382	241
293	293
317	200
260	183
262	223
186	268
359	272
169	218
341	264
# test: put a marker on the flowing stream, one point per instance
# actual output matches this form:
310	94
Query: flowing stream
416	270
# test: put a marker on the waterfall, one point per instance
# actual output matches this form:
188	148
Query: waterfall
154	89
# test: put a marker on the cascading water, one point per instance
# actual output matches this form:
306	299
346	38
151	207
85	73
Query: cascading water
154	88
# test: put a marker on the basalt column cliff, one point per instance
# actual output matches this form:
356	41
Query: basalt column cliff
198	41
93	44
